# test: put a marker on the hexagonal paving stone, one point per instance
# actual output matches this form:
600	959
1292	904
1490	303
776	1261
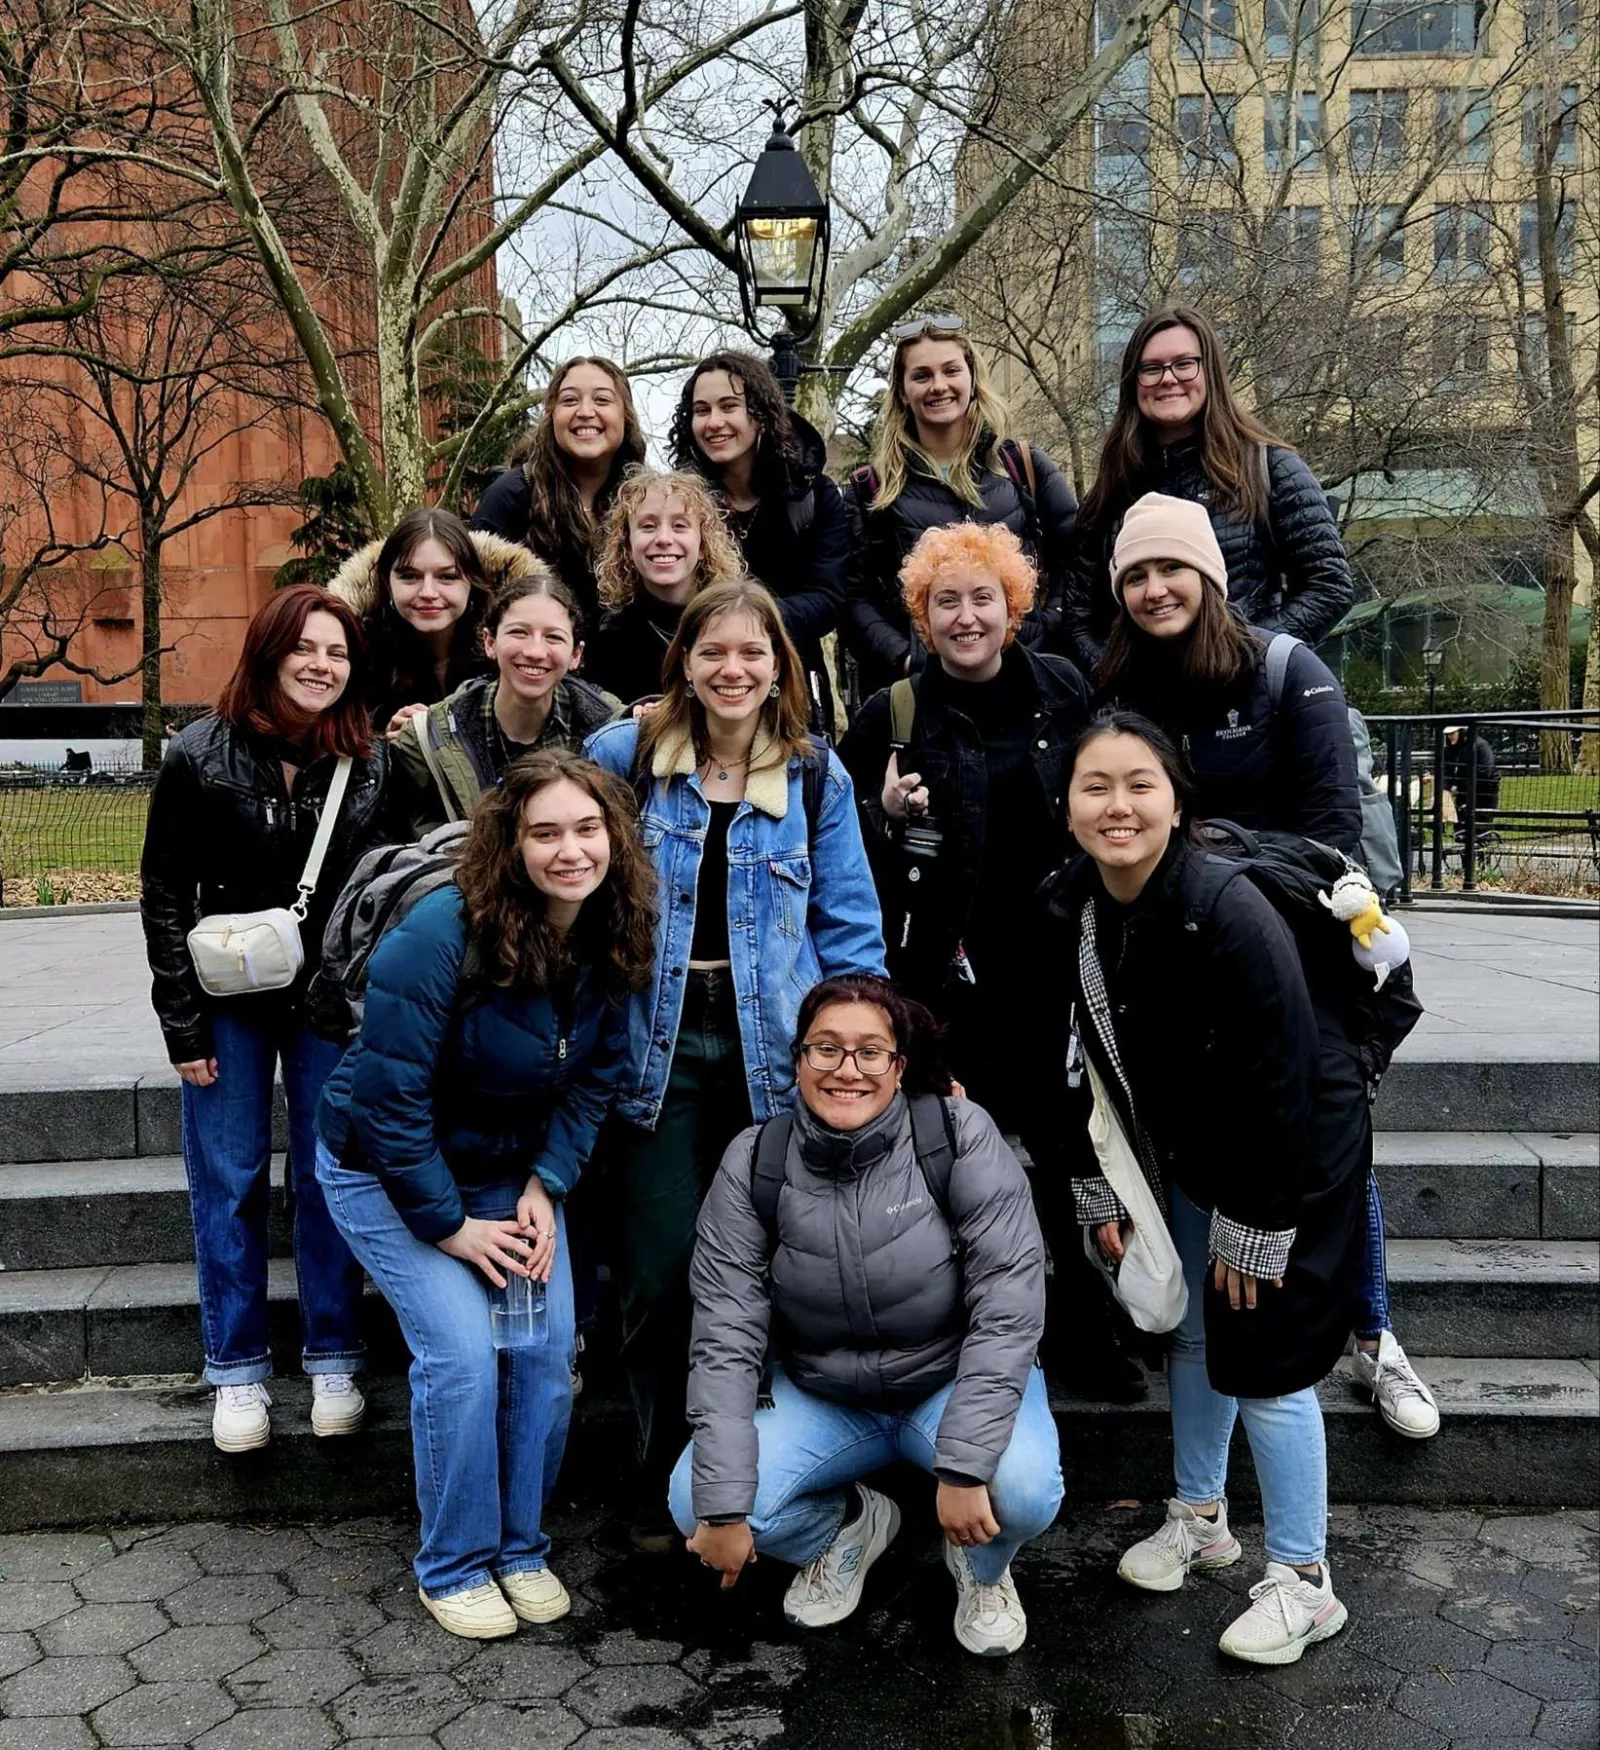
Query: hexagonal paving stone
102	1628
625	1649
1547	1540
401	1647
633	1738
52	1555
1573	1725
26	1604
148	1571
399	1704
336	1571
227	1598
271	1728
1506	1616
303	1674
1363	1729
64	1686
390	1743
320	1622
1469	1702
524	1669
240	1549
185	1655
45	1735
17	1652
1553	1673
1420	1644
162	1713
492	1725
620	1694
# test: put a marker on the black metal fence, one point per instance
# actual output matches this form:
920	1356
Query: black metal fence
70	837
1476	810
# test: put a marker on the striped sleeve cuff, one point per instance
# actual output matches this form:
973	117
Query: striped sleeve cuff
1253	1251
1096	1202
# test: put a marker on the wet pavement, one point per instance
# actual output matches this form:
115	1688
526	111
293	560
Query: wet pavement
1472	1631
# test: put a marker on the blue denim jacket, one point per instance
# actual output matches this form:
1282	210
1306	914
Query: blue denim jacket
798	911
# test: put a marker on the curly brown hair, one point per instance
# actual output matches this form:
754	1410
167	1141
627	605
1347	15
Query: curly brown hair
614	570
506	918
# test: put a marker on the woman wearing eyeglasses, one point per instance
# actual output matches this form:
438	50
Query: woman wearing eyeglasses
942	456
1178	430
868	1285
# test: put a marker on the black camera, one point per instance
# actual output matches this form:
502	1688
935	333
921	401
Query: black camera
922	837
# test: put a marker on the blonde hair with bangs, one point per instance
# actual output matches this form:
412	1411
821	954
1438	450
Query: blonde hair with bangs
897	427
615	572
988	549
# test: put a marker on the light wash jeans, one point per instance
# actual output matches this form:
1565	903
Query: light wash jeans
488	1427
1285	1433
227	1157
811	1450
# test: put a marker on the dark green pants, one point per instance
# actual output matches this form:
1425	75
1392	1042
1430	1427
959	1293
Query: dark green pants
656	1180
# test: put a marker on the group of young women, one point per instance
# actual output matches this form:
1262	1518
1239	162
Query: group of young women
664	946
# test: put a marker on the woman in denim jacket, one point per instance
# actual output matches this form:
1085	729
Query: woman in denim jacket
763	889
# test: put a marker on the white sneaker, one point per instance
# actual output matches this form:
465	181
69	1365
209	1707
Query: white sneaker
1403	1401
1185	1543
239	1421
478	1614
337	1406
830	1587
1287	1614
535	1594
990	1620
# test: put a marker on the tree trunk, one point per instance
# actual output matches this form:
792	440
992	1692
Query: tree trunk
1555	649
150	729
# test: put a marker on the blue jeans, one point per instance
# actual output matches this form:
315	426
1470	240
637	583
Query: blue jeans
488	1427
227	1154
1372	1293
1285	1433
812	1450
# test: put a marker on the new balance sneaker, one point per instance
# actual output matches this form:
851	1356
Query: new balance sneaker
990	1620
829	1589
1403	1401
239	1420
535	1594
1186	1543
1287	1614
478	1614
337	1406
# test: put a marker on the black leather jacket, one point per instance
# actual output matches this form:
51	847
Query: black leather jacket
225	833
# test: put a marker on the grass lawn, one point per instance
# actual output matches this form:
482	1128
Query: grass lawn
1551	794
82	827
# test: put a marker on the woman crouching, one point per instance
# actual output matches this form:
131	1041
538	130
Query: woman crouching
882	1241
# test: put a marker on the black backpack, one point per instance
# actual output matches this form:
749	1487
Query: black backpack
933	1136
1292	872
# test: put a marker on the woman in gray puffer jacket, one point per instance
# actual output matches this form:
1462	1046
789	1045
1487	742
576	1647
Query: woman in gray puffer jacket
868	1284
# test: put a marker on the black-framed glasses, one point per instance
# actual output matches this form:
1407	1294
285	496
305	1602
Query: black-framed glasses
917	326
1184	370
870	1060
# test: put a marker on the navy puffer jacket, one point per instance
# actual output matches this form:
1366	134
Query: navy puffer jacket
435	1095
1290	574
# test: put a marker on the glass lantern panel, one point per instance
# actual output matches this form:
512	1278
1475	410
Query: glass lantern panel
780	258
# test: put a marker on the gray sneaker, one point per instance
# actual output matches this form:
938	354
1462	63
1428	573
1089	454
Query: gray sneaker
1403	1401
990	1620
1186	1542
828	1589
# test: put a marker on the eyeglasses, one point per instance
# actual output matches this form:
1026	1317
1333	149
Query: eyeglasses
948	323
870	1060
1184	370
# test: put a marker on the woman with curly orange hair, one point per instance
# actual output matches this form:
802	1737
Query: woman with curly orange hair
960	773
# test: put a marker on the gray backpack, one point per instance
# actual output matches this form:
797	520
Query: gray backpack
1380	843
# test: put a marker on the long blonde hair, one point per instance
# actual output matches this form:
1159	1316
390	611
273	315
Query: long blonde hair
615	572
681	714
897	426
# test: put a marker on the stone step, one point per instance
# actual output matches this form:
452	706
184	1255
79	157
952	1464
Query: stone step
1528	1299
1473	1184
1518	1434
118	1319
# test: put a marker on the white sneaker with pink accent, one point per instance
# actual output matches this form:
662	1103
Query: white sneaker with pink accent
1287	1614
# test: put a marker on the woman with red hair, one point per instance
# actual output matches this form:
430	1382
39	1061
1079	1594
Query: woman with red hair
233	817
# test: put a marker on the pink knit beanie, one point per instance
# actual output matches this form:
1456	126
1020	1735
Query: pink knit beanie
1159	527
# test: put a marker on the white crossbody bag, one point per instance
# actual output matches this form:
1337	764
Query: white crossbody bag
235	953
1149	1281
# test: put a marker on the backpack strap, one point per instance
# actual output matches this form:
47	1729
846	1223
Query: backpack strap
933	1136
419	721
813	789
767	1160
1017	460
1279	651
865	481
902	712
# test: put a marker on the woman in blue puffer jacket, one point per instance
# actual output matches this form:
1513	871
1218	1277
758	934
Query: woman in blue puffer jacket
763	889
493	1037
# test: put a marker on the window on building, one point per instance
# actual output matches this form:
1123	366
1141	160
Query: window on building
1208	30
1415	27
1557	117
1123	139
1291	27
1379	228
1461	235
1291	245
1547	19
1565	238
1535	359
1307	149
1205	129
1389	342
1377	129
1208	243
1463	125
1460	351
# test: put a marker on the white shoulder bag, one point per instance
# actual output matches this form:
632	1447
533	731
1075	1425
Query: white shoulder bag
235	953
1149	1281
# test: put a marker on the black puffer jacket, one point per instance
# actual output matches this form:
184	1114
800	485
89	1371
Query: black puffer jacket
1290	575
225	834
506	509
625	655
875	625
873	1296
1292	769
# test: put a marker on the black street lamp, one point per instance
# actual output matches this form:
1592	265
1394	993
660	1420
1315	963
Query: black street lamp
1432	662
781	235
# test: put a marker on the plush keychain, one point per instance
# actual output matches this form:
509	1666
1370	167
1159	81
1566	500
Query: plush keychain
1380	943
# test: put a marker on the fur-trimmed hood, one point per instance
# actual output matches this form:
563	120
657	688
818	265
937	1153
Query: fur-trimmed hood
356	581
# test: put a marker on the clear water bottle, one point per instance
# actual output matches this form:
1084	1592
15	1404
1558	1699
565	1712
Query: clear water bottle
518	1315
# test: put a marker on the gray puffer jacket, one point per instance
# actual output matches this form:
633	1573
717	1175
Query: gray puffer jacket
874	1298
